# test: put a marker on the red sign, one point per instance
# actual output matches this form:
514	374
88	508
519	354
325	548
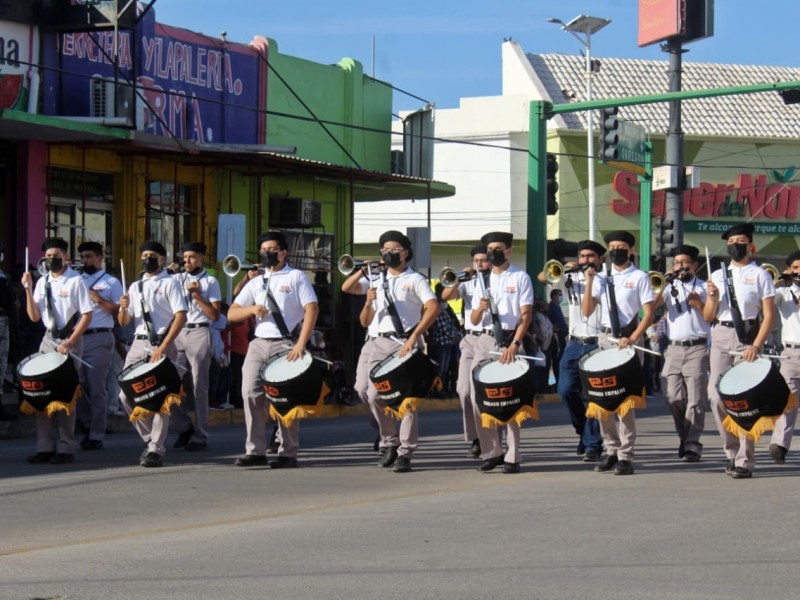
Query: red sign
660	20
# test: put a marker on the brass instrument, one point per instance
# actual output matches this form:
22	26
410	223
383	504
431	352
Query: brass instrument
554	271
449	278
657	281
232	264
773	272
348	265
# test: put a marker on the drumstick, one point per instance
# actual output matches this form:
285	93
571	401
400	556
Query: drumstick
614	340
122	273
26	263
526	357
80	360
319	358
708	265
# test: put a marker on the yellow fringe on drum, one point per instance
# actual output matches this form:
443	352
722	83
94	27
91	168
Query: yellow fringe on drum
408	405
140	413
53	407
522	415
761	426
595	411
300	412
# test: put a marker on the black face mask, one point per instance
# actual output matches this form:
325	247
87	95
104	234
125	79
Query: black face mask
497	257
89	269
196	272
392	261
618	256
150	265
54	265
269	259
686	276
737	251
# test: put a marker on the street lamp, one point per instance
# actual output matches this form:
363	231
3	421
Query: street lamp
582	27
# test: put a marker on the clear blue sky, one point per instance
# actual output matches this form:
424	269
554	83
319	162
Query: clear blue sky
442	50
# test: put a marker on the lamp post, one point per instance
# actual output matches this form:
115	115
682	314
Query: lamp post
582	27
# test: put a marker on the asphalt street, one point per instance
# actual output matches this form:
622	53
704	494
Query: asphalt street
341	527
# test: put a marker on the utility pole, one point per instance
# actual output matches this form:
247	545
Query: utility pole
673	212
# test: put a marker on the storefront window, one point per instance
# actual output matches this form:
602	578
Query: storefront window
169	216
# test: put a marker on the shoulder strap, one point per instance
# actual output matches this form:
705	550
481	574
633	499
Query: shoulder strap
275	311
391	308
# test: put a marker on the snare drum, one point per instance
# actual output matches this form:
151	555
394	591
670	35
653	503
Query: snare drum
401	381
504	392
755	395
612	381
48	383
295	389
151	387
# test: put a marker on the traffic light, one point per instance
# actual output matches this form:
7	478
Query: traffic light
552	184
663	230
609	137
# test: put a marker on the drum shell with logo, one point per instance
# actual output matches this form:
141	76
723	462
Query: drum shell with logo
751	390
609	376
147	384
47	377
502	389
291	384
397	378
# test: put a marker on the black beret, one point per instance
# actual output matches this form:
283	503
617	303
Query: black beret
740	229
792	257
153	246
95	247
686	249
479	249
55	243
198	247
620	236
273	236
395	236
591	245
498	236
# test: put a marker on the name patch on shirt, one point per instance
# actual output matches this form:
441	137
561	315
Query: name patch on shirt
629	284
285	288
511	289
749	280
63	293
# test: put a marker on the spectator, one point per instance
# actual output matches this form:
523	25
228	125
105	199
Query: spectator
537	342
443	337
559	333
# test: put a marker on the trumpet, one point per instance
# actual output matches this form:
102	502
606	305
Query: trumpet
773	272
657	281
554	270
348	265
449	278
232	264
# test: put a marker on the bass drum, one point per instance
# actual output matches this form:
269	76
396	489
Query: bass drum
398	379
48	383
504	392
151	387
612	381
295	389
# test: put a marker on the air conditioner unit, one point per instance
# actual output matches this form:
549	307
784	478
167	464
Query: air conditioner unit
102	98
294	212
106	101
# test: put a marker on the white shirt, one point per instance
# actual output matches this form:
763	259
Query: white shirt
580	326
163	299
69	296
751	283
466	290
217	345
409	291
108	288
786	299
292	291
510	290
632	290
209	290
688	324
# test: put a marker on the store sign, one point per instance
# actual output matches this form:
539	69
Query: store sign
722	226
16	53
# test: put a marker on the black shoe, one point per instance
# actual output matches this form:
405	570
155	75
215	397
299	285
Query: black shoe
581	448
591	456
62	459
152	460
196	446
88	444
183	438
251	460
741	473
376	445
474	450
284	462
730	467
691	457
681	451
144	452
41	458
606	463
388	459
403	464
778	453
624	467
510	468
491	463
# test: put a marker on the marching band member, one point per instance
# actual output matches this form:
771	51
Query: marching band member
156	303
685	368
787	299
98	344
736	296
279	300
193	344
466	290
507	311
402	306
583	335
621	293
61	298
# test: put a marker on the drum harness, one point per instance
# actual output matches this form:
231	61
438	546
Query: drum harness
152	336
613	311
55	332
736	313
275	311
497	326
399	330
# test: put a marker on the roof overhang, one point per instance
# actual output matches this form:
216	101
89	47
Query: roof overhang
19	126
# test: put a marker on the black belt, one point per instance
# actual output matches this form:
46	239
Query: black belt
196	325
689	343
144	336
729	324
506	332
584	340
276	339
98	330
791	345
390	334
475	333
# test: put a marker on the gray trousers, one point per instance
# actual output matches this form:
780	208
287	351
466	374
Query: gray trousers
98	351
256	405
464	385
790	369
194	353
618	440
685	374
362	385
153	429
57	433
491	446
740	449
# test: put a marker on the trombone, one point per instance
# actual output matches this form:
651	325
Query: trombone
449	278
348	265
232	264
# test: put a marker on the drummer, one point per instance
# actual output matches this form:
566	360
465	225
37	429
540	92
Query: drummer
158	306
401	306
686	360
737	329
622	292
787	299
291	297
466	290
62	301
511	293
583	334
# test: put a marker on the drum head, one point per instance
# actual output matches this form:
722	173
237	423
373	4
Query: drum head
496	372
135	371
607	359
41	363
278	369
389	364
744	376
